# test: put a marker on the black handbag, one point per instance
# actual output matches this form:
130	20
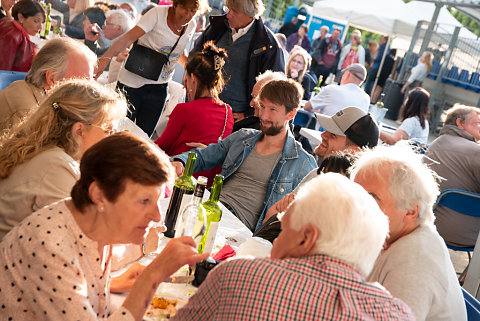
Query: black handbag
146	62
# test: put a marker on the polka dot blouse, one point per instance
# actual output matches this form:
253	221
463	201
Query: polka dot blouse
50	270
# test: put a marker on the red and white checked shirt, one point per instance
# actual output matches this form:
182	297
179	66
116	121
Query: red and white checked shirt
315	287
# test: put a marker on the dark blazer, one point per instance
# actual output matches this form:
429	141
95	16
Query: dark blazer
264	52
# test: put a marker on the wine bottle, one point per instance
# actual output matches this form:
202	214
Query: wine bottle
58	28
192	220
214	214
181	195
380	103
48	20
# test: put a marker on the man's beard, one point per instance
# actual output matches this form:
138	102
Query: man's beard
272	130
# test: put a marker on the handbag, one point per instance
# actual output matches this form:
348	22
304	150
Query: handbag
146	62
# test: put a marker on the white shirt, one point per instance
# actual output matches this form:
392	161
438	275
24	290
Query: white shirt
419	72
334	98
159	37
414	129
241	31
417	269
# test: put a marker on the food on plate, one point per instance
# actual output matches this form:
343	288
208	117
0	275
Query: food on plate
161	308
163	303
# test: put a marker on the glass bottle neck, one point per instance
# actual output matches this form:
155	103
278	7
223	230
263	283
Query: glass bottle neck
215	193
189	166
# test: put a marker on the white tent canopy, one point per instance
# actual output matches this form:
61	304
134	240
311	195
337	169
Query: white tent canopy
392	17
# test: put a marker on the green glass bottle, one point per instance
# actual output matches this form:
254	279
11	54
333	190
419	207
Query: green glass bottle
48	21
380	103
181	195
58	28
214	214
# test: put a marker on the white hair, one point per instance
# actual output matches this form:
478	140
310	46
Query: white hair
269	75
411	182
252	8
352	228
120	18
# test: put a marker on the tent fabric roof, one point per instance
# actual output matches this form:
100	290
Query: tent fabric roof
386	16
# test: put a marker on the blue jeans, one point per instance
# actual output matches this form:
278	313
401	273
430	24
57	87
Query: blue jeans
148	102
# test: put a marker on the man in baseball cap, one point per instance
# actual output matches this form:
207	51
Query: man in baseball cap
350	129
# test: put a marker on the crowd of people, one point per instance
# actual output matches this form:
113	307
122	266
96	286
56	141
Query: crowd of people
354	231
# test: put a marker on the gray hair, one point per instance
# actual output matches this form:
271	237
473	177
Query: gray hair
351	226
54	56
461	112
325	28
121	18
132	11
411	182
252	8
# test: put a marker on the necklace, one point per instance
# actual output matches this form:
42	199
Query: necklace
174	24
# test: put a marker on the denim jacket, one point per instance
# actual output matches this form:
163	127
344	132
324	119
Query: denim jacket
293	164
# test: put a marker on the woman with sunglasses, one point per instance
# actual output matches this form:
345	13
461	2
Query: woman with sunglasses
39	157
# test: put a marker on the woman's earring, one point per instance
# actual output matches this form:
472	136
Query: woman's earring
101	209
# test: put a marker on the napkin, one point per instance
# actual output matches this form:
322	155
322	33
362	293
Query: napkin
224	253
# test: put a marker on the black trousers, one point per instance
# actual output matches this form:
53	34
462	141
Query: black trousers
321	70
147	104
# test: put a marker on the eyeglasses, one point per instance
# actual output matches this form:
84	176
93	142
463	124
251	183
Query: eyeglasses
298	62
107	131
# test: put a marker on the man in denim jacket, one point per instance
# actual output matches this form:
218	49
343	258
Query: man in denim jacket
260	167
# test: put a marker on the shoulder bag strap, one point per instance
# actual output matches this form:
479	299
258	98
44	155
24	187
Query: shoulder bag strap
176	42
225	123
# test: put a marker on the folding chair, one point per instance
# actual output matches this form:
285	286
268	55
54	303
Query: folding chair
304	118
463	202
472	305
7	77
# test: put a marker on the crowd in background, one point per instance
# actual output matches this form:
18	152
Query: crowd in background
91	187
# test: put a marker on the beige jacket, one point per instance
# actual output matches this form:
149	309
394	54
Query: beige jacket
16	101
40	181
455	156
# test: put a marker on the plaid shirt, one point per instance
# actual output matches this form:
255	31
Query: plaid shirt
315	287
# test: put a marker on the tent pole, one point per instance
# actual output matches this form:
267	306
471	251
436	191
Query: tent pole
428	33
408	55
438	82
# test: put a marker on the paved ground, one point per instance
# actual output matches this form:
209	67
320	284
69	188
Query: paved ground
459	260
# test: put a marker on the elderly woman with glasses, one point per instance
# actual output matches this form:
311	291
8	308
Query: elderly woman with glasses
39	157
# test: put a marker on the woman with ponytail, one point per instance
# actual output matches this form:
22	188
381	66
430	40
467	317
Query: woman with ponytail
205	118
39	157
